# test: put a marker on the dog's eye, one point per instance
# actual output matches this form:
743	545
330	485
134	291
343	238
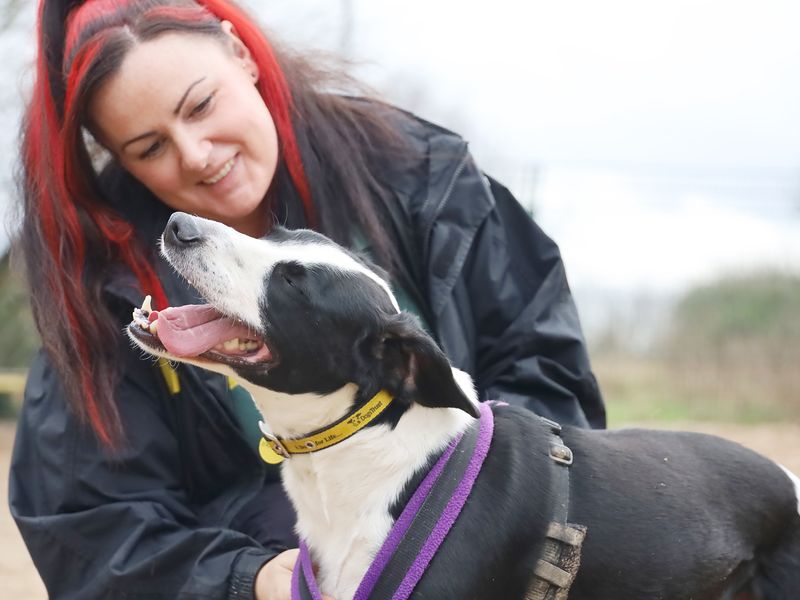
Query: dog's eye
292	273
294	269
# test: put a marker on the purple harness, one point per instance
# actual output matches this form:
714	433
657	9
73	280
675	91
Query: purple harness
432	510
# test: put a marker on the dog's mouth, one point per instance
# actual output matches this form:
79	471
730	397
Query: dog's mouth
198	331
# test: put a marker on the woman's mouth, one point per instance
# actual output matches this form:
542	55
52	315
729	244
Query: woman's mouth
220	175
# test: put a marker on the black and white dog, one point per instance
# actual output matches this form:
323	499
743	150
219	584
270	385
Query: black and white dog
312	331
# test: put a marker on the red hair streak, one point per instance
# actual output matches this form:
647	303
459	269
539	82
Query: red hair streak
60	179
57	178
58	220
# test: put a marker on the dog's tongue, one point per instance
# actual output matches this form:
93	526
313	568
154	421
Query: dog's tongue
196	328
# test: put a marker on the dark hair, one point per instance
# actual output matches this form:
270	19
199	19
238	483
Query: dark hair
70	234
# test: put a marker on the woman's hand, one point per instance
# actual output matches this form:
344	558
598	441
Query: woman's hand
274	579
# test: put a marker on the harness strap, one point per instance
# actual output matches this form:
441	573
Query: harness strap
561	454
407	540
561	554
304	585
422	526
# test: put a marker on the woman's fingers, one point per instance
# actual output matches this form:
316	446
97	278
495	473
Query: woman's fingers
274	580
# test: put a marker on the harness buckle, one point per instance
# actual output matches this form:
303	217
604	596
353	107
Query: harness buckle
560	453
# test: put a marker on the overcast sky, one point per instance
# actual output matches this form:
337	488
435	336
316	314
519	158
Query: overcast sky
659	141
665	136
687	83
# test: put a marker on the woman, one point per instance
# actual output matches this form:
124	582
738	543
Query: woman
129	478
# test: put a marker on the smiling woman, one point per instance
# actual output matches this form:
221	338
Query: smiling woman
120	481
195	131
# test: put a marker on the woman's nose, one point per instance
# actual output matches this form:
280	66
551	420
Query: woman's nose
194	152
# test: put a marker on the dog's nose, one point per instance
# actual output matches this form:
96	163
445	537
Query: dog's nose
182	230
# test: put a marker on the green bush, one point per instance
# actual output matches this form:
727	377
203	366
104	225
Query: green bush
760	310
729	351
734	344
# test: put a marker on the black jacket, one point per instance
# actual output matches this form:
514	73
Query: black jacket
187	509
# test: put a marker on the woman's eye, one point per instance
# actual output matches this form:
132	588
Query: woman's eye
202	107
152	150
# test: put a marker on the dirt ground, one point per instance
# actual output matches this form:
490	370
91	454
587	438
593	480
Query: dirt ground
19	579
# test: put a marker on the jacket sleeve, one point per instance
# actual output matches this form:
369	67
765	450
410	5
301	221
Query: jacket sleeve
121	526
518	317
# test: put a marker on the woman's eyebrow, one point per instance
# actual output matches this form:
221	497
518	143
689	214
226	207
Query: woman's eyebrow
174	112
185	95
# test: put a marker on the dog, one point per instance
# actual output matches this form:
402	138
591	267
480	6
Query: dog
313	331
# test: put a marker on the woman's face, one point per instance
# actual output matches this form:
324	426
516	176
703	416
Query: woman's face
182	115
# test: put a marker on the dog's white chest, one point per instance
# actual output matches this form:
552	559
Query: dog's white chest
343	516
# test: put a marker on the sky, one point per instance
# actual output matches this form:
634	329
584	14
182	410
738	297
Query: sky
679	83
657	142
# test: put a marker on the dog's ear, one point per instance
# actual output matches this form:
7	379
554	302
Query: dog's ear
415	368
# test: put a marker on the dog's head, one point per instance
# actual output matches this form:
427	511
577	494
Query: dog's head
294	313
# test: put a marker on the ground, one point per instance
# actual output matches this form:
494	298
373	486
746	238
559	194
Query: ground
20	581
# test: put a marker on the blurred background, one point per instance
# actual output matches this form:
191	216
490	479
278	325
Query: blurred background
657	142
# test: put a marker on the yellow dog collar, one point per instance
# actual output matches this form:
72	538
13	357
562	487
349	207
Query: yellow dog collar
274	450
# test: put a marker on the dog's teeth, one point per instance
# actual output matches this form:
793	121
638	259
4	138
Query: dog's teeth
154	327
231	345
251	345
139	318
146	305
